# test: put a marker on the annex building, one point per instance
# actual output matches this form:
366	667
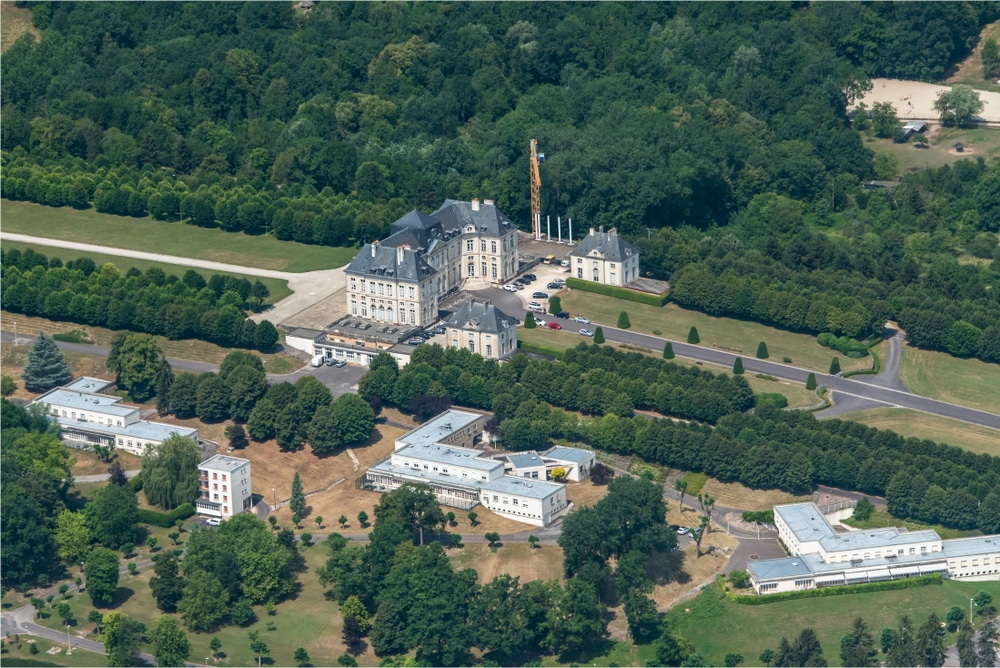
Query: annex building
604	257
823	557
439	453
482	328
87	417
224	487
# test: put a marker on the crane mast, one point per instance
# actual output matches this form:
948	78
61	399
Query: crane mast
536	187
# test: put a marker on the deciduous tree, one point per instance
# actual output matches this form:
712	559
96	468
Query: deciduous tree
170	644
102	575
170	472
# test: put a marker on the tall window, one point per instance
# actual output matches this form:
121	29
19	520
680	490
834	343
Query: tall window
411	292
482	245
472	269
371	288
493	247
579	272
489	350
614	278
484	269
353	284
354	307
469	245
388	290
389	313
413	317
493	268
381	288
597	274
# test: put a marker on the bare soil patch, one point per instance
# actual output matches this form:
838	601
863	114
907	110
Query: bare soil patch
516	559
680	573
15	21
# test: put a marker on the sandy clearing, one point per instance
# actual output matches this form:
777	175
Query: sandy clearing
914	100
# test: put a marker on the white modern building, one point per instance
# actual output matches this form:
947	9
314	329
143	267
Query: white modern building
574	462
482	328
604	257
87	417
823	557
225	487
438	453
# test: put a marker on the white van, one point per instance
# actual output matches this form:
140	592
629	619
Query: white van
317	360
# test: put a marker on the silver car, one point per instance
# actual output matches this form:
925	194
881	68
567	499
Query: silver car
586	332
580	319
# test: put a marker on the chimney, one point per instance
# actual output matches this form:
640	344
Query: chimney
374	244
488	202
601	229
613	231
399	253
591	234
475	205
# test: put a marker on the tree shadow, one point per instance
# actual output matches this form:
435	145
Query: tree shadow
588	653
663	568
122	594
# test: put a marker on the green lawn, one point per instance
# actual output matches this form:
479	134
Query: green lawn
881	519
736	336
796	393
179	239
922	425
983	142
716	626
968	382
19	654
278	288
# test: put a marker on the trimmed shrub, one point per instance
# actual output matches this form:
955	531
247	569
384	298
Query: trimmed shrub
618	293
166	520
775	399
555	305
668	351
762	351
843	344
623	322
811	382
598	335
693	335
835	366
529	320
738	366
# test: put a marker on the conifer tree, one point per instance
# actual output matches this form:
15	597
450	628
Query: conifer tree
668	351
738	366
811	382
835	366
297	503
598	335
164	380
693	336
46	366
529	320
623	322
762	351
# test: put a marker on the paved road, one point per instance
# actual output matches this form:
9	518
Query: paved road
850	387
308	288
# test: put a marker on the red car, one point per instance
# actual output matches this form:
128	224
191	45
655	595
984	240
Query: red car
555	325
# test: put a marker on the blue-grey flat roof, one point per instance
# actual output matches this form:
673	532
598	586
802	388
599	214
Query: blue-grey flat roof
99	403
525	460
223	463
440	427
535	489
146	431
568	454
771	569
964	547
449	454
88	384
805	521
419	475
809	524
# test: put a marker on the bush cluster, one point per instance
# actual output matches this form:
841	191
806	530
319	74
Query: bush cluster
844	344
891	585
166	520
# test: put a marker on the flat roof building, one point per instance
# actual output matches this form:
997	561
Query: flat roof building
824	557
225	487
437	453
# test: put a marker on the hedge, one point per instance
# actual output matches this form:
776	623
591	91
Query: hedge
529	347
874	370
166	520
618	293
846	345
907	583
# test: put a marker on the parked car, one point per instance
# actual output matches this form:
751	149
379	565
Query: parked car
330	361
213	521
539	322
530	277
340	364
683	531
580	319
586	332
540	295
523	280
534	305
563	314
674	527
440	329
510	287
554	325
554	286
564	263
520	287
695	531
415	341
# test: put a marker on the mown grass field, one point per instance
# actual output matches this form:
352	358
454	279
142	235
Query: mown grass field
968	382
735	336
278	288
922	425
188	349
796	393
716	626
983	142
180	239
19	654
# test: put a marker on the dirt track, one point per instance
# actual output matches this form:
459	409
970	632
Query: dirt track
914	100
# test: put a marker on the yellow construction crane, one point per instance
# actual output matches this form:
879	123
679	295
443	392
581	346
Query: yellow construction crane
536	187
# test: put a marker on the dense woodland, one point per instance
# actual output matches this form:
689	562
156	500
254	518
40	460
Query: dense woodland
714	135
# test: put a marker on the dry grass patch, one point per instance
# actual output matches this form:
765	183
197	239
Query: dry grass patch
971	437
516	559
87	462
680	573
13	359
14	22
735	495
585	493
967	382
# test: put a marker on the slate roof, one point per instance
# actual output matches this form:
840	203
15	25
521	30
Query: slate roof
418	230
481	317
488	220
608	245
385	262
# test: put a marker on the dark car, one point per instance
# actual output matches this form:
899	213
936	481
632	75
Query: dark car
440	329
540	295
674	527
415	341
555	286
563	314
530	277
